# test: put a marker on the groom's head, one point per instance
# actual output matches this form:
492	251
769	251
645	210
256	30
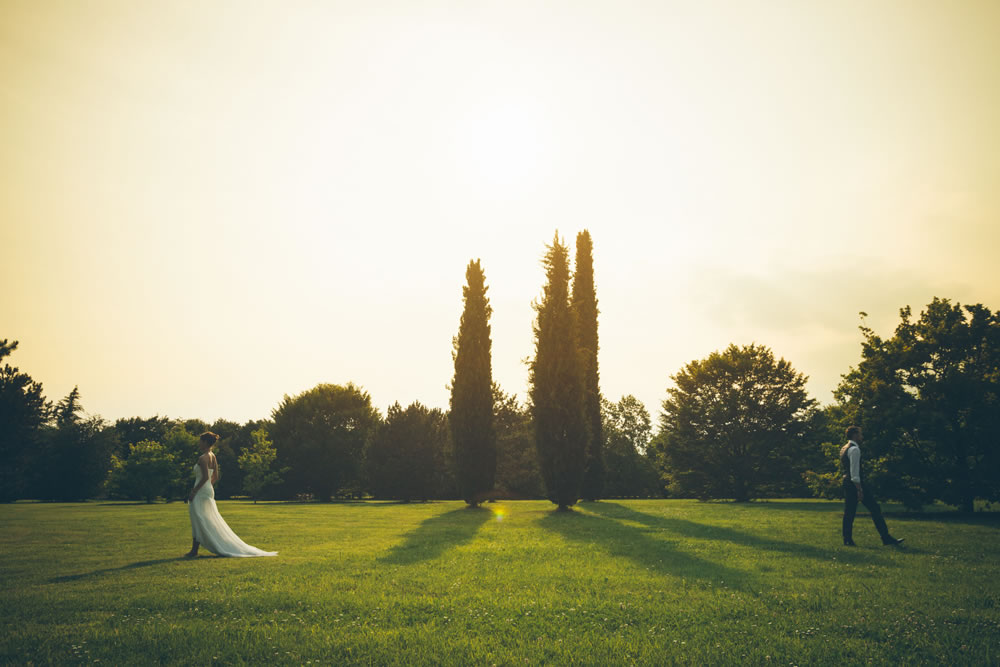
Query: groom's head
854	433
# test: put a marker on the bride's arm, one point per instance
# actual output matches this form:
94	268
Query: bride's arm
204	477
215	472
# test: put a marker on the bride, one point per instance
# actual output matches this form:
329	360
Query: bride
207	526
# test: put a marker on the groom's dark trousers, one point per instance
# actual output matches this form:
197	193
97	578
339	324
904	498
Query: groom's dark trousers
851	508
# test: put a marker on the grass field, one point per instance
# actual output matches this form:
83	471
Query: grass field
613	582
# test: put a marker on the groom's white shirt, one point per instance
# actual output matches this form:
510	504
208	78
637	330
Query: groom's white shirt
854	456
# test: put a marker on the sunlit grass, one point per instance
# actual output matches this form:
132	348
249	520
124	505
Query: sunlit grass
613	582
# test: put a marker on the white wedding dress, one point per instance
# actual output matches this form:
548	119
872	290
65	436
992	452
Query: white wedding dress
211	531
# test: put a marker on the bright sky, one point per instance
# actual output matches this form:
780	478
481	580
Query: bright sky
207	205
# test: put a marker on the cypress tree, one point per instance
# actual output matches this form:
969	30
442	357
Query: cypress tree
557	384
471	419
585	308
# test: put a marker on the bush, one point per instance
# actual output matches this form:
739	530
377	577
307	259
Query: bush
149	472
401	460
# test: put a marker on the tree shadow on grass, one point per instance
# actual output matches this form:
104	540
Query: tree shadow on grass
692	529
827	506
108	570
892	510
437	534
986	519
642	546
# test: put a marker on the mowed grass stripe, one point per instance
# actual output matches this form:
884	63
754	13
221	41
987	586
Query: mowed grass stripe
613	582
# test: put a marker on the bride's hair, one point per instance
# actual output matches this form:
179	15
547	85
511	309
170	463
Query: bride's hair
209	438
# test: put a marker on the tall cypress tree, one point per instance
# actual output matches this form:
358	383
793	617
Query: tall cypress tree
585	307
557	384
471	419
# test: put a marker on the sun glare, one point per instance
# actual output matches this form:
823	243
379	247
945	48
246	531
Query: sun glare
502	149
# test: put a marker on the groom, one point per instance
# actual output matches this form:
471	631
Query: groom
856	491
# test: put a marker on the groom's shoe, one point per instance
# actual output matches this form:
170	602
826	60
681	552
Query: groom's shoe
893	542
849	542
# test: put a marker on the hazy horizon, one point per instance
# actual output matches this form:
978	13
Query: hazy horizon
207	206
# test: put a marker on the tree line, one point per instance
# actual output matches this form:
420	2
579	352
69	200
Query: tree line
737	424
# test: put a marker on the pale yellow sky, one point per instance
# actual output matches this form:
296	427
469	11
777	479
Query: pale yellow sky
207	205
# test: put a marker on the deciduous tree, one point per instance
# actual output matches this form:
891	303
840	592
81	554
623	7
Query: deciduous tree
234	440
257	464
735	425
76	453
132	430
401	459
928	399
23	411
182	445
630	470
518	474
320	435
149	472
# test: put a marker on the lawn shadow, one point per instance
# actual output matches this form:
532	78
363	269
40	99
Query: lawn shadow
640	545
107	570
892	510
800	506
703	531
437	534
986	519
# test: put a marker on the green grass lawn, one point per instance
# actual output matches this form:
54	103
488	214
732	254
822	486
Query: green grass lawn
613	582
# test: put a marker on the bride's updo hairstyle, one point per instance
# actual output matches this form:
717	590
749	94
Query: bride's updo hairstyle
209	438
